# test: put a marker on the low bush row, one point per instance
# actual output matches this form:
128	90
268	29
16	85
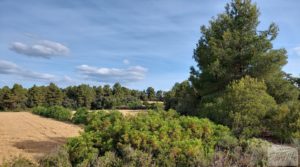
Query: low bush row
56	112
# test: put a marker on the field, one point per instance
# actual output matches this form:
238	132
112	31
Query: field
31	136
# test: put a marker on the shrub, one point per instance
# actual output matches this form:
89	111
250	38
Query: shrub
80	117
251	152
56	112
18	162
58	158
158	137
135	105
243	107
284	123
43	111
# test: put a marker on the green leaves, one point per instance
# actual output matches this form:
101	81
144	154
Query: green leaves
165	136
232	47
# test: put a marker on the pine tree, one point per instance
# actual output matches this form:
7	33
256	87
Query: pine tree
232	47
54	95
36	96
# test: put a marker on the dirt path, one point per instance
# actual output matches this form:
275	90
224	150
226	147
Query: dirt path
32	136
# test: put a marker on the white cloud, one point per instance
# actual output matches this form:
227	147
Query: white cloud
112	75
125	61
9	68
42	48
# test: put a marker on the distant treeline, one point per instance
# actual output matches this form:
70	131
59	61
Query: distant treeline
96	97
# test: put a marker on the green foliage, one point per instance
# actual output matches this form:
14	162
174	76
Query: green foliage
158	137
13	99
282	90
80	96
54	95
56	112
284	123
243	107
135	105
231	47
118	97
80	117
36	96
150	93
182	98
58	158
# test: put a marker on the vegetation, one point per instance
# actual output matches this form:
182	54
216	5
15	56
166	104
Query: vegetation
239	80
74	97
157	138
237	91
56	112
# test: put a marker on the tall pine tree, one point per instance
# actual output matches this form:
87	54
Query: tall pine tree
232	47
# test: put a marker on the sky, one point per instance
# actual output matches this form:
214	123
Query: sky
139	43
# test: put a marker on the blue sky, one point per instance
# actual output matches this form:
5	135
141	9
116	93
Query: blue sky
139	43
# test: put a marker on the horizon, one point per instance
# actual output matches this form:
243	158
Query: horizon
138	44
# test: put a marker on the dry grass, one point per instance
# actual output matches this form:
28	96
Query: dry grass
31	136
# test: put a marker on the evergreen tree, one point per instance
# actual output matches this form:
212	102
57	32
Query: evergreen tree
150	93
85	95
159	95
54	96
18	97
5	98
232	47
36	96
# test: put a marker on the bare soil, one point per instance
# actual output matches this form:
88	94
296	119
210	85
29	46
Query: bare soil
31	136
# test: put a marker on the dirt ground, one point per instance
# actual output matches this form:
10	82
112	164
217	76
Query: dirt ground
31	136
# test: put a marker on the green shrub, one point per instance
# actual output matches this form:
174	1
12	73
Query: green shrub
43	111
243	107
56	112
284	123
158	137
80	117
135	105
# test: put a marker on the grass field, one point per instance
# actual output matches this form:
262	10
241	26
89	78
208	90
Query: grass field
31	136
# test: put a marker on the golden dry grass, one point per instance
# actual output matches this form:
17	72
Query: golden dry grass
31	136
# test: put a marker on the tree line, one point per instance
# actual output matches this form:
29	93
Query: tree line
91	97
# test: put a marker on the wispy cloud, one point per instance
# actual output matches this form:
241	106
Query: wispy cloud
10	68
42	48
111	75
126	62
297	50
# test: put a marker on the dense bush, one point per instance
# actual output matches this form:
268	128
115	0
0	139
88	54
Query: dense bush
80	117
243	107
56	112
284	123
161	138
57	158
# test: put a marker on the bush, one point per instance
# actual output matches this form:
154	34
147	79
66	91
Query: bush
158	137
80	117
18	162
251	152
43	111
59	158
56	112
243	107
284	123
